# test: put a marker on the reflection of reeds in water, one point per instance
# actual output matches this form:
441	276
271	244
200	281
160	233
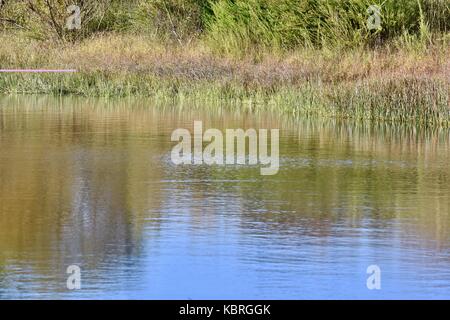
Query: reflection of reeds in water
353	172
79	174
82	204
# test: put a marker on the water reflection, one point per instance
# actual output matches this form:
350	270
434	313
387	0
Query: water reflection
90	182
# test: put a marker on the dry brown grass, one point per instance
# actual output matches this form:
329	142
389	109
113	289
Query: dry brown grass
383	83
138	54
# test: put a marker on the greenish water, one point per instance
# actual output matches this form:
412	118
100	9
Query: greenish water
91	183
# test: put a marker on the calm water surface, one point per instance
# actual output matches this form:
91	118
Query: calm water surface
90	183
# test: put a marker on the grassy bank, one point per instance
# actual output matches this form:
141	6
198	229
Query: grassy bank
305	57
365	84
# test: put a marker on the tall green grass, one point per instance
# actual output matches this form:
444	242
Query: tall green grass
243	25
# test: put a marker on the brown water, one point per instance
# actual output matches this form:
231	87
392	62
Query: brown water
91	183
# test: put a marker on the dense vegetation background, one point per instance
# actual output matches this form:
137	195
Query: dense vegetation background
237	26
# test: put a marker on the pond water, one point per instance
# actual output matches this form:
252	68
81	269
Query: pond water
91	183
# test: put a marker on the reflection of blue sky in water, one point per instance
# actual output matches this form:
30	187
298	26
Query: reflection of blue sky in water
93	185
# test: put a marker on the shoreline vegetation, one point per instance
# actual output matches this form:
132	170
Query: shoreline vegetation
257	54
